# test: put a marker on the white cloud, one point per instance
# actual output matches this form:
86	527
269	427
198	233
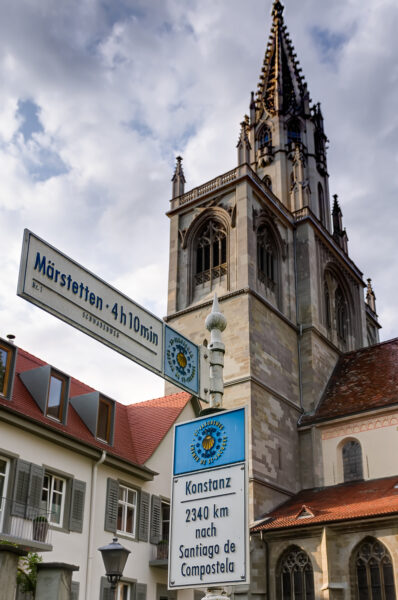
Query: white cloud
123	88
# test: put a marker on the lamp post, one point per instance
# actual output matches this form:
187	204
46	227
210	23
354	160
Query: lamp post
115	557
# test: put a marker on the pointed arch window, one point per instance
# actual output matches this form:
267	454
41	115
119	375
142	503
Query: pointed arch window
295	576
319	139
326	296
341	314
211	252
374	572
321	203
352	461
293	131
264	137
266	257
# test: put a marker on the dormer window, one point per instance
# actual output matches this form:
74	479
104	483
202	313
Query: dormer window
104	419
56	396
49	389
98	413
5	368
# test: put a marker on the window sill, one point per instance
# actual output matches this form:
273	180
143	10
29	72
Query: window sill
58	528
126	536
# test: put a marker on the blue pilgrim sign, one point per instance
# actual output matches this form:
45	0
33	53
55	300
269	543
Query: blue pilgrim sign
214	441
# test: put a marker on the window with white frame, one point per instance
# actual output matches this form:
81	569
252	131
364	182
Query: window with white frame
53	498
4	470
127	510
124	591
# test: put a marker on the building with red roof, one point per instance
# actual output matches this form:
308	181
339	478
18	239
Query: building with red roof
77	467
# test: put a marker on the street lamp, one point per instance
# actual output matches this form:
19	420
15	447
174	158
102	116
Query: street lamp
115	557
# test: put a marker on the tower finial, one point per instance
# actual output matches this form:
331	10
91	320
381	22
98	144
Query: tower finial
178	179
277	9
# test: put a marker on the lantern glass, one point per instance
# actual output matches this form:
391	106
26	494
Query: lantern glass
115	557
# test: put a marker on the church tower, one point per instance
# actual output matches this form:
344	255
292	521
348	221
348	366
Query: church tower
263	238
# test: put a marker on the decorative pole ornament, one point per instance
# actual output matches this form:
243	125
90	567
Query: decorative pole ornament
216	323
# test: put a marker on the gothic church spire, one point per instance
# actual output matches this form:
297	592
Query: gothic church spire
282	89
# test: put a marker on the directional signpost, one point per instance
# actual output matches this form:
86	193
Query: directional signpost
62	287
209	544
209	524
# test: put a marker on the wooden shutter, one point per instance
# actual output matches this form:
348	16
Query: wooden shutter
112	497
156	520
77	505
75	590
106	593
21	488
140	591
143	524
35	490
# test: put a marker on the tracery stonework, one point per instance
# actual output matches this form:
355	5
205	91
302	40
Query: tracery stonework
354	428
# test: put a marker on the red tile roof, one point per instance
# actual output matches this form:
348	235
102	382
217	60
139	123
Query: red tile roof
139	428
150	421
355	500
362	380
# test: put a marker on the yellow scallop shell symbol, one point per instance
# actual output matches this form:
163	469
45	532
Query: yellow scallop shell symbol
182	360
208	442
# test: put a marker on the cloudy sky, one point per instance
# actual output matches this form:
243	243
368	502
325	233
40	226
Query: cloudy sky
97	97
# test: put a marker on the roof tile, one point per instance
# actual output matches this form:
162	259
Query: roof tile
139	428
362	380
353	500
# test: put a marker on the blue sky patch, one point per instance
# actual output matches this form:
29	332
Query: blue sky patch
30	113
49	164
120	10
328	42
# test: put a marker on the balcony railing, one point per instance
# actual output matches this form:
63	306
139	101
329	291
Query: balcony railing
29	530
160	554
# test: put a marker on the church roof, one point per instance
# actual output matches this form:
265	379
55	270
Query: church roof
138	428
281	87
347	501
363	380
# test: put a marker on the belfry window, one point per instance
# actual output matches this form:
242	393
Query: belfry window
211	252
295	576
293	131
321	204
341	314
374	572
352	461
266	257
326	295
264	137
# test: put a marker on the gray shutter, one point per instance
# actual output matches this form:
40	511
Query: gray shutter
140	591
143	524
75	590
156	520
106	593
21	488
35	490
112	497
77	505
